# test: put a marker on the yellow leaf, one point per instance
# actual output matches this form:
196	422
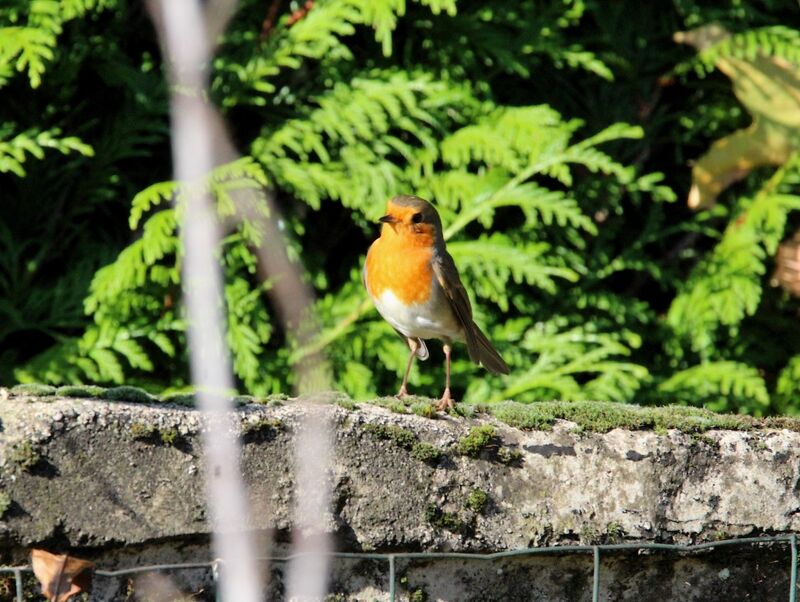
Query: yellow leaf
769	88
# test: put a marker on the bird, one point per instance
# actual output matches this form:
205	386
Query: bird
414	284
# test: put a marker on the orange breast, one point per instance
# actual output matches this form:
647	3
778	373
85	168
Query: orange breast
404	269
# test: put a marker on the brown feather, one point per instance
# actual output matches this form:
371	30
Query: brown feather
480	349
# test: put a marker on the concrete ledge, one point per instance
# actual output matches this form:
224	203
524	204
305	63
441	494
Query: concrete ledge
105	478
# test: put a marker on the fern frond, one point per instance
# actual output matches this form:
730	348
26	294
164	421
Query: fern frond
571	364
777	41
317	36
15	151
720	386
490	262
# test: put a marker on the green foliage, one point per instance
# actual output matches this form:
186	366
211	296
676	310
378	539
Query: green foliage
545	133
721	386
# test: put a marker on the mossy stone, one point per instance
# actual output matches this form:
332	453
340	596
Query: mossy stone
477	439
425	452
402	437
81	391
131	394
24	455
477	500
34	389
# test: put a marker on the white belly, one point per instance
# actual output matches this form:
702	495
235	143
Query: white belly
432	319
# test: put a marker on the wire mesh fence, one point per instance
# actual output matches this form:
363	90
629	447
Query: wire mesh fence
391	560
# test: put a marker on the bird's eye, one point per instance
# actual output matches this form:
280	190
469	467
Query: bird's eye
416	218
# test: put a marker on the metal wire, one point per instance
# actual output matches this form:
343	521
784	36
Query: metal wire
391	559
596	576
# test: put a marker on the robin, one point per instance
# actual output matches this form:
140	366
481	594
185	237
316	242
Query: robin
415	286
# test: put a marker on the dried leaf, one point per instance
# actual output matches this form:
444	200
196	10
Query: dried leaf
769	88
61	576
787	266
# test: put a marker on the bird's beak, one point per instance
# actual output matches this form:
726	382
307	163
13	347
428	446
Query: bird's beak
388	219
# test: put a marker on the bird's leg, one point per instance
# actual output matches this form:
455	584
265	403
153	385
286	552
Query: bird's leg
446	402
413	345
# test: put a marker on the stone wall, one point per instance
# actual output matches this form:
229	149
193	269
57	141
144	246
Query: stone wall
122	483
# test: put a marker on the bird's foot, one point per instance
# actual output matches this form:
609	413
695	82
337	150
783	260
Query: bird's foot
403	392
446	402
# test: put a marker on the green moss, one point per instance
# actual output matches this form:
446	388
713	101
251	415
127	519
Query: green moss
34	389
5	502
402	437
477	500
509	456
24	455
443	520
131	394
393	404
83	391
477	439
243	400
425	452
169	436
418	595
601	417
522	416
263	425
424	409
142	430
188	400
598	416
276	399
466	410
614	530
346	403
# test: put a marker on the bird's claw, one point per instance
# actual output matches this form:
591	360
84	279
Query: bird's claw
446	402
403	392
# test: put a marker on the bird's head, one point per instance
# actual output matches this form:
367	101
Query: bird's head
413	219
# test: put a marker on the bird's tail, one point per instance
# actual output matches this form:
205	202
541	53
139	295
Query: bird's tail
482	352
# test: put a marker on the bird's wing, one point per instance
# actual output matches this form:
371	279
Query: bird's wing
480	349
447	274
